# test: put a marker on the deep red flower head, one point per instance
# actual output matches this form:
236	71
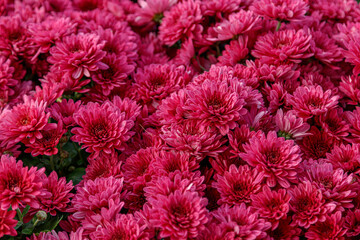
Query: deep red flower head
238	184
346	157
19	185
7	223
276	157
63	111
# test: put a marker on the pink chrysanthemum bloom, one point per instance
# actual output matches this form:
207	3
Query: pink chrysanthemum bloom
115	75
194	137
78	55
312	101
288	10
60	194
180	22
333	123
123	227
237	184
337	10
291	127
325	49
150	12
104	166
220	8
7	223
157	81
238	138
308	205
50	30
97	194
239	222
50	236
47	144
336	186
350	86
276	157
352	223
102	128
317	144
19	185
181	215
287	46
240	23
331	228
354	120
352	53
215	103
64	111
271	205
24	121
346	157
285	231
235	52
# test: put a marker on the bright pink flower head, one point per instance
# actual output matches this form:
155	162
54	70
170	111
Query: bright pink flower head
217	104
346	157
128	106
123	227
19	185
97	194
287	46
235	52
240	23
60	195
308	205
78	55
194	137
350	86
312	101
352	53
115	75
336	186
49	31
331	228
180	22
352	223
238	138
181	215
354	119
47	144
333	123
220	8
64	111
336	10
239	222
7	223
102	128
25	120
103	166
271	205
237	184
50	236
276	157
290	126
288	10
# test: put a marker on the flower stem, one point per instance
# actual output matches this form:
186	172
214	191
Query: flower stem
278	26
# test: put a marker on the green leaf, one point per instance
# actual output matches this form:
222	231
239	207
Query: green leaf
48	225
19	224
26	210
76	175
27	231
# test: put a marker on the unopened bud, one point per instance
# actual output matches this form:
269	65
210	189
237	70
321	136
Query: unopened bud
41	215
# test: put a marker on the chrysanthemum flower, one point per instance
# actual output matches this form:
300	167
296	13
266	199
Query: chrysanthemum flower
235	52
78	55
7	223
335	185
19	185
352	223
194	137
242	22
215	103
180	22
47	144
94	195
50	236
181	215
332	122
60	195
331	228
124	227
276	157
113	76
287	46
291	126
237	184
312	101
308	205
346	157
317	144
220	8
102	128
24	121
285	231
104	166
338	10
288	10
350	86
64	111
239	222
271	205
